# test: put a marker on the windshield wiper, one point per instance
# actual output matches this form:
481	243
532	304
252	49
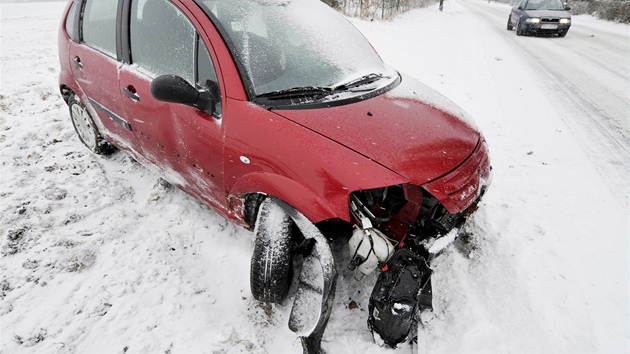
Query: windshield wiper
320	91
307	91
363	80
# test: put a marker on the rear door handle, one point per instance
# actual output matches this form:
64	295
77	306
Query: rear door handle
77	62
131	92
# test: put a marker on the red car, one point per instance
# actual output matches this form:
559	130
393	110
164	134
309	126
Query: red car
282	117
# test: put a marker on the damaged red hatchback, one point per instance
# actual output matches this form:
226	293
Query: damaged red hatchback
281	116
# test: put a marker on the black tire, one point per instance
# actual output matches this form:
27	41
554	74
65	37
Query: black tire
509	23
519	31
86	129
271	266
562	34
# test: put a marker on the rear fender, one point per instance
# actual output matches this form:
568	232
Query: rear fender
62	48
68	86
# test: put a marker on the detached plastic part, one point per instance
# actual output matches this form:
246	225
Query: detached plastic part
401	290
368	248
317	283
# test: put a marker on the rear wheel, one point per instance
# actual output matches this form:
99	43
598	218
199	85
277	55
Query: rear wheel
509	23
271	265
86	129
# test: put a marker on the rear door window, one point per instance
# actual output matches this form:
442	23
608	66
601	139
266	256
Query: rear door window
99	25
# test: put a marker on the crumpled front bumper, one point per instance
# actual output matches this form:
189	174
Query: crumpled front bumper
460	188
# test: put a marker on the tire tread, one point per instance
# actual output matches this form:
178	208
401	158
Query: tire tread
270	272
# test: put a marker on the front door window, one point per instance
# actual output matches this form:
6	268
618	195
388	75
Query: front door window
162	39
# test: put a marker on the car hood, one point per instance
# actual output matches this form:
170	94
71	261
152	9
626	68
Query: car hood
548	13
412	130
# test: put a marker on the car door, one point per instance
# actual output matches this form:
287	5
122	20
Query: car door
185	143
94	64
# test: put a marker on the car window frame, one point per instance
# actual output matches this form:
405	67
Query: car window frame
72	21
199	38
125	52
117	36
148	71
242	71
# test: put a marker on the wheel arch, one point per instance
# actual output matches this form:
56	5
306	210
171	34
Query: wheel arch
255	186
66	92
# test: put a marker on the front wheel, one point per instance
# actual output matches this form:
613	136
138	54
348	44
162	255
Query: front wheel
86	129
271	265
509	23
519	29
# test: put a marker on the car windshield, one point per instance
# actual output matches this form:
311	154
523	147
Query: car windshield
544	5
286	46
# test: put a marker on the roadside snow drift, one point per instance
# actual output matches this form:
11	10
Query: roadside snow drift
99	255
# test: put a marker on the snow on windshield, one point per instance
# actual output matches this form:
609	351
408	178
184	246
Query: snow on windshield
544	5
297	43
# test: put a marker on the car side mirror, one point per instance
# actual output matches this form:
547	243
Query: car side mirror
566	6
172	88
520	7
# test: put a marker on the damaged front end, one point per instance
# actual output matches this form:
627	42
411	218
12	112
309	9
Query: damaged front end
394	228
397	229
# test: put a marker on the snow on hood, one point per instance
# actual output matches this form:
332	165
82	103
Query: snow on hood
413	89
412	130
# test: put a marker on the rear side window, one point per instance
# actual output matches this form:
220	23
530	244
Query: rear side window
162	39
71	22
99	25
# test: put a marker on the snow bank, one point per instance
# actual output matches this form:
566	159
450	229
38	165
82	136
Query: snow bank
100	256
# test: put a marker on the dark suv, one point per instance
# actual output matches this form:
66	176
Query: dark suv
282	117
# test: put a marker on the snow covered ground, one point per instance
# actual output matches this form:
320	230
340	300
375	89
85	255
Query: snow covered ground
99	256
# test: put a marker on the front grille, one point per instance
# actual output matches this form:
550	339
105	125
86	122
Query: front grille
550	20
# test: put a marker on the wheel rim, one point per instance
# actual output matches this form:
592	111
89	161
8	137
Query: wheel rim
83	124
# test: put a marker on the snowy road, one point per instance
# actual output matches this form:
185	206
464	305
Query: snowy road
98	256
592	64
555	223
589	71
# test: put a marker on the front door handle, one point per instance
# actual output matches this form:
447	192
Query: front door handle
77	62
131	92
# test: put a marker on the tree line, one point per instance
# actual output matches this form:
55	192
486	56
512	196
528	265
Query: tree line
611	10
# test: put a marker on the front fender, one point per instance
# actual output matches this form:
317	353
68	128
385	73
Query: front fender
293	193
268	153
